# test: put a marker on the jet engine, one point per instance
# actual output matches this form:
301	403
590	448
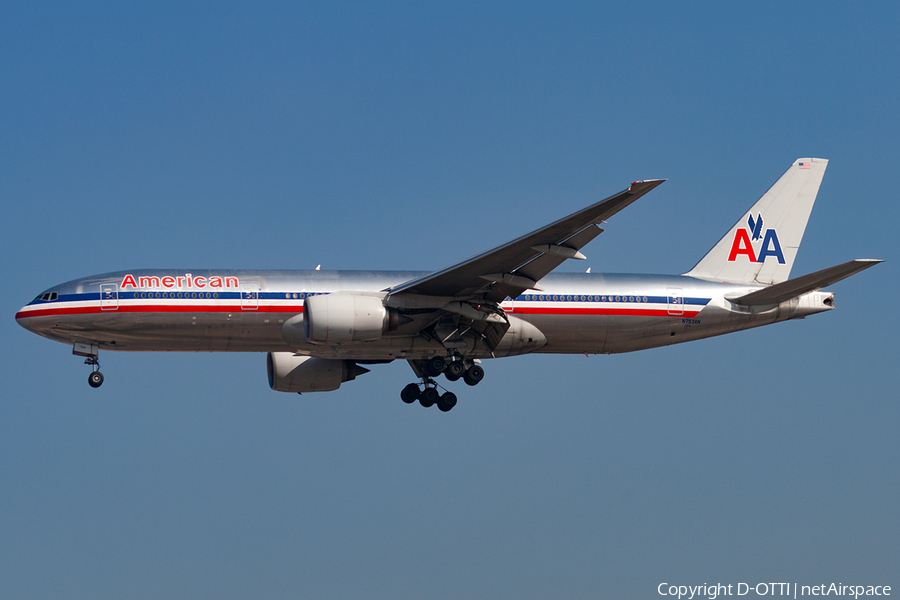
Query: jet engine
291	373
346	318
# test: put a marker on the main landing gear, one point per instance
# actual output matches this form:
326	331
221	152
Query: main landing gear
428	396
427	392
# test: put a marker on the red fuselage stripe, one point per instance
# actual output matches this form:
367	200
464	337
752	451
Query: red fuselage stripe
637	312
295	309
158	308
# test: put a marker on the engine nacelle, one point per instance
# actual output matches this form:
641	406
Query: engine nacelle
291	373
346	318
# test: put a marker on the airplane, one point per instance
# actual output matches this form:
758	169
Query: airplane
320	327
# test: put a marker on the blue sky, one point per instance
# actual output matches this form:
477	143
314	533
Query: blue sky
408	136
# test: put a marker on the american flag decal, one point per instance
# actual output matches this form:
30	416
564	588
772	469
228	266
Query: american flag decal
805	165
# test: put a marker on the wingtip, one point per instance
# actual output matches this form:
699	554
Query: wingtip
651	183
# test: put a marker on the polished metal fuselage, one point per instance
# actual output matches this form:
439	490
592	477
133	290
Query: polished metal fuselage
247	311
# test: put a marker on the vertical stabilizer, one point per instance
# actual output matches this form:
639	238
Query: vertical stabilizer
762	245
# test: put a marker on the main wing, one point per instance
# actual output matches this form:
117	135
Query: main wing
518	265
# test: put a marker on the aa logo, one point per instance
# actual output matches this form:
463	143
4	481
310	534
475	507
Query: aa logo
744	239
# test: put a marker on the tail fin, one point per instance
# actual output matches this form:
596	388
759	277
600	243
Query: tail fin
762	245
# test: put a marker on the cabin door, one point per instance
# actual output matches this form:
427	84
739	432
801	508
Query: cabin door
249	296
109	296
675	301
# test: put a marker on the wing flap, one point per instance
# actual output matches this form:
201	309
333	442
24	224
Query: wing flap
778	293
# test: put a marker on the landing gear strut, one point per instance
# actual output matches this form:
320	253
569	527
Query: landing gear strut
427	392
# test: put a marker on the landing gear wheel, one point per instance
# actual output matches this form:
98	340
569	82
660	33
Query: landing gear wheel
410	393
446	402
474	375
428	397
455	370
435	366
95	379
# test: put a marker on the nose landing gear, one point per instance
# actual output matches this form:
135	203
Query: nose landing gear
95	379
91	352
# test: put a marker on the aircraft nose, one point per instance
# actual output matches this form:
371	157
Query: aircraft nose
23	320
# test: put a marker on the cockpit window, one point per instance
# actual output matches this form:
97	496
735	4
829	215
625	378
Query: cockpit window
48	296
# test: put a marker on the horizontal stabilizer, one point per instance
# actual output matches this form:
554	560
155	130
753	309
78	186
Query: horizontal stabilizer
778	293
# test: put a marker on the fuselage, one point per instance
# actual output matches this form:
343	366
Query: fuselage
258	311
